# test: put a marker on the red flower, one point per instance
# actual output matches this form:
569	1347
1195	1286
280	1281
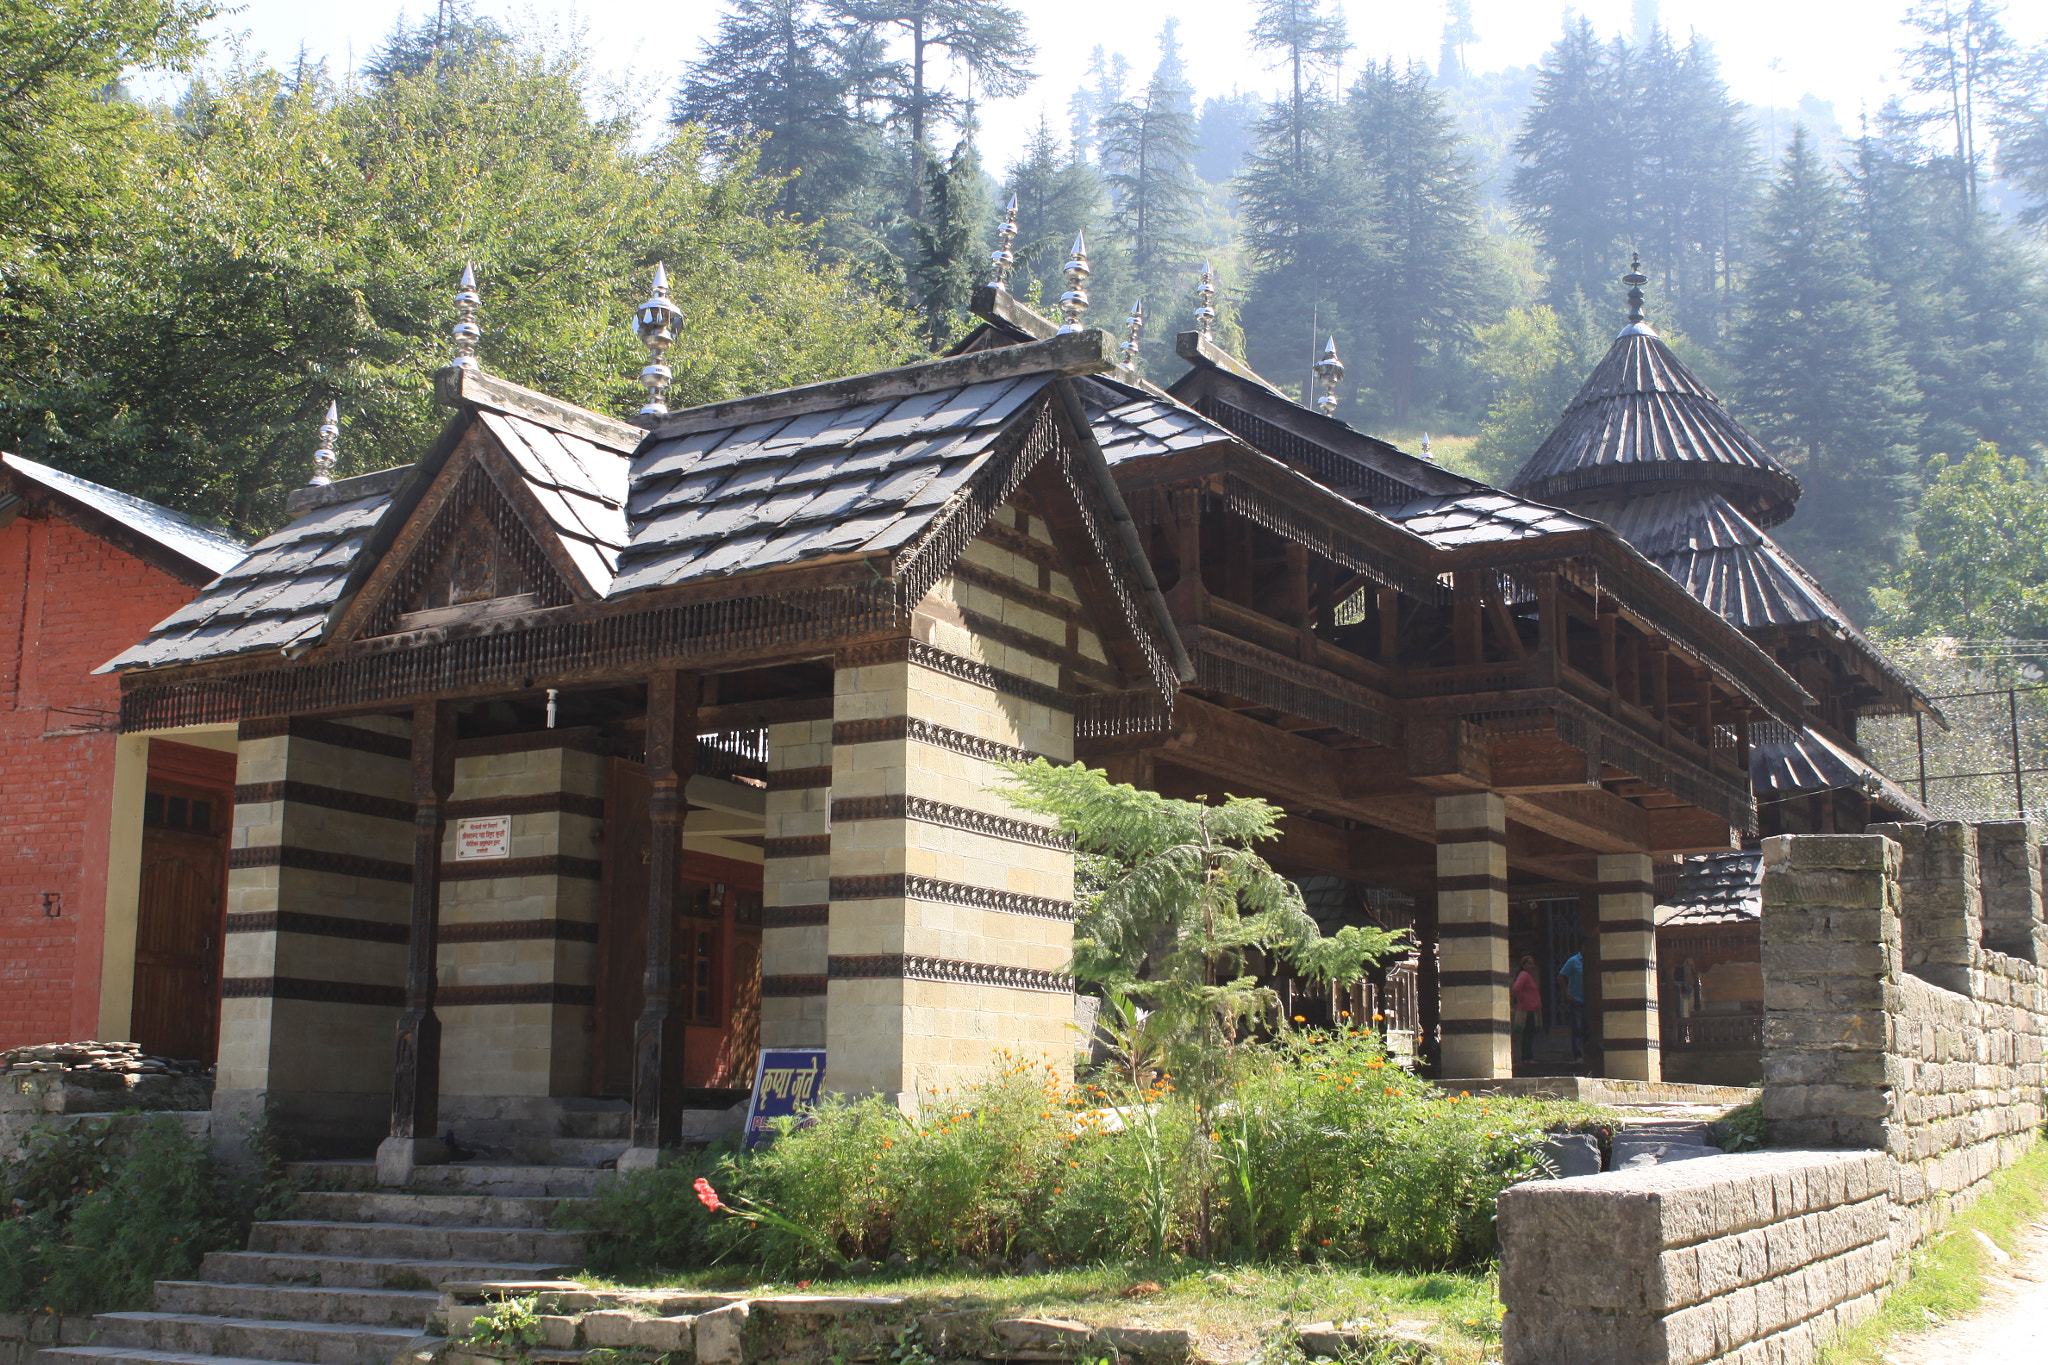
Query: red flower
707	1195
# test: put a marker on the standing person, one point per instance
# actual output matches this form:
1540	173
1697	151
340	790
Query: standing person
1527	997
1572	977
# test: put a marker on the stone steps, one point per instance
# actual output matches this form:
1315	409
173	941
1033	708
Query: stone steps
354	1277
418	1241
338	1305
434	1210
206	1334
361	1272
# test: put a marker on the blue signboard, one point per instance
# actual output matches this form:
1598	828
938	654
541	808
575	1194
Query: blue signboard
785	1082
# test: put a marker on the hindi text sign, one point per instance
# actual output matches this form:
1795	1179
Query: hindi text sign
483	836
785	1082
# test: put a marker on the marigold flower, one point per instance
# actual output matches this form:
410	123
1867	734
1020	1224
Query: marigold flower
706	1195
1301	1019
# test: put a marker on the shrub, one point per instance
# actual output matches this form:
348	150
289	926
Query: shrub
1319	1147
91	1218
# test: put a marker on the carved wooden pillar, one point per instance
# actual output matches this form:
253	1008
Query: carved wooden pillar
658	1036
1188	596
416	1077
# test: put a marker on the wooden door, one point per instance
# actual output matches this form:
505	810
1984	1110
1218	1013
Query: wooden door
181	910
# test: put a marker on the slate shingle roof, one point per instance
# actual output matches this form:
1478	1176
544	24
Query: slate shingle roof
276	596
1784	761
203	545
1480	516
768	494
1131	424
1715	888
580	486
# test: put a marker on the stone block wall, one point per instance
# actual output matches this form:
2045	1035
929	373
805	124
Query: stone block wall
1895	1028
517	988
1890	1023
319	904
1754	1259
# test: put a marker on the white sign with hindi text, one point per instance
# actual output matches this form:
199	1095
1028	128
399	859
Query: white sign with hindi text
485	836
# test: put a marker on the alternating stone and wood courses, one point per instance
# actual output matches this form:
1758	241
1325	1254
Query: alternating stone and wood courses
868	595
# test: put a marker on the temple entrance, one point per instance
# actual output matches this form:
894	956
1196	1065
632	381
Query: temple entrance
717	951
181	910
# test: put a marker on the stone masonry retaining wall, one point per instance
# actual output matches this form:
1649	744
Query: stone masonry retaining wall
1892	1028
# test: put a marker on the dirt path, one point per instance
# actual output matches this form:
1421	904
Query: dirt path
2009	1328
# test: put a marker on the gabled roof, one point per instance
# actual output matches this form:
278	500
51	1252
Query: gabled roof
1642	421
183	547
857	480
297	584
280	593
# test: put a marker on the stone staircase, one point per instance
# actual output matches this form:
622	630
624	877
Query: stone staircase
352	1278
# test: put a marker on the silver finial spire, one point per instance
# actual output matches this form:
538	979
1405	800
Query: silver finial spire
1427	452
1074	302
1331	371
1134	332
323	458
1001	259
467	334
1635	280
655	322
1205	303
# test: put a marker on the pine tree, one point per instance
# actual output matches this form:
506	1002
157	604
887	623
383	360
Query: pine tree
784	71
952	244
1058	195
1571	190
1823	379
1223	134
453	35
1419	289
1147	150
983	38
2021	124
1108	76
1299	195
1963	63
1458	34
1971	301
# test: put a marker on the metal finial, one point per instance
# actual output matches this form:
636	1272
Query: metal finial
467	334
1074	302
655	322
323	458
1134	331
1205	303
1427	453
1635	280
1331	371
1002	258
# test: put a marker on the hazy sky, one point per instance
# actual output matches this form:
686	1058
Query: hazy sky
1772	51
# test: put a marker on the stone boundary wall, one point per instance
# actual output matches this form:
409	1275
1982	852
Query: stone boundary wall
1896	1026
1753	1259
24	1335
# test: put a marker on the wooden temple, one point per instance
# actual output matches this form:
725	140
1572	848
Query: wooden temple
578	759
1649	449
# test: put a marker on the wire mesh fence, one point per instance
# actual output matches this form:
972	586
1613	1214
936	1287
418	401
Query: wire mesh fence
1990	762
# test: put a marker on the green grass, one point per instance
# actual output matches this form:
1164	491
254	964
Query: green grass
1949	1268
1231	1309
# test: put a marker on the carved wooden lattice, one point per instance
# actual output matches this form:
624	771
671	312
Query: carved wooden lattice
475	548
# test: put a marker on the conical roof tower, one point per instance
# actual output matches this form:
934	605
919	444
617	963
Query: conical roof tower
1648	448
1643	423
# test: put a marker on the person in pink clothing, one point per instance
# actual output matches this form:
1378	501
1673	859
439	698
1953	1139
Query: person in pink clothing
1527	998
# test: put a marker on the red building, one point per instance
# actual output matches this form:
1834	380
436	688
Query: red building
84	570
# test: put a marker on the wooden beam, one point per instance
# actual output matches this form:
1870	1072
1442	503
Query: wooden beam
416	1073
672	726
1526	766
1688	829
1589	817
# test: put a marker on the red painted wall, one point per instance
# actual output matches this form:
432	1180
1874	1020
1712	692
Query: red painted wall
68	603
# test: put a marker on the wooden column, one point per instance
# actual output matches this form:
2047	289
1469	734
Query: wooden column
1188	597
1428	1003
416	1076
1389	604
658	1036
1467	643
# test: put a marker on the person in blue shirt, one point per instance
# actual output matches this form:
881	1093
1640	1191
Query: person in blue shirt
1572	977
